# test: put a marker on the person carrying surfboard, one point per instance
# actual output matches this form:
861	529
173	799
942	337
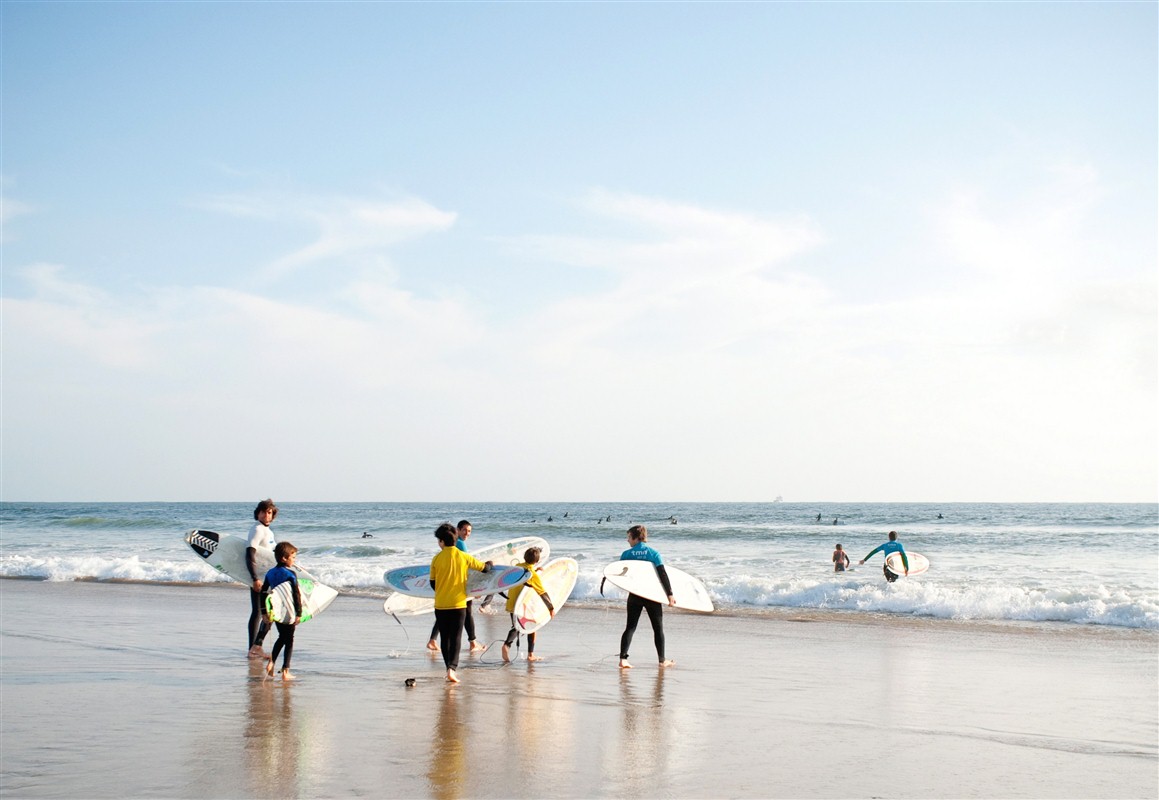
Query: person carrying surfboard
283	573
260	536
887	549
462	533
640	551
449	581
530	559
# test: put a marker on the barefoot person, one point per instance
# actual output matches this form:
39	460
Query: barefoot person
530	559
887	549
640	551
449	580
260	536
285	553
462	533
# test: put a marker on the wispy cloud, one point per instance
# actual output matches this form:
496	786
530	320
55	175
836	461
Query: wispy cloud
342	227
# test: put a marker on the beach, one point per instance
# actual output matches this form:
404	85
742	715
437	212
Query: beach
143	690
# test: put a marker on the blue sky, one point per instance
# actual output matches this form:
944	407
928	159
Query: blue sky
580	251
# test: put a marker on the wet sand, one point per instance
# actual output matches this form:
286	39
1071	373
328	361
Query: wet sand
119	690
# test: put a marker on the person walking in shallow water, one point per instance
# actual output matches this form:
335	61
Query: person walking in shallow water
840	559
640	551
887	549
285	553
449	582
462	533
530	563
260	536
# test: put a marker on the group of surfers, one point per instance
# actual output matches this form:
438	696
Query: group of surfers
453	608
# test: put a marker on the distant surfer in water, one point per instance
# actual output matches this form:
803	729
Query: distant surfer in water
840	559
887	549
449	582
530	560
285	553
462	533
640	551
260	536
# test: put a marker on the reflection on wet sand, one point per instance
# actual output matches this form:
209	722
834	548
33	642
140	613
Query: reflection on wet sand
272	740
644	739
447	775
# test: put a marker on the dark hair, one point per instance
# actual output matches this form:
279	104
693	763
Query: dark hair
445	533
283	549
531	555
893	536
266	504
639	533
463	524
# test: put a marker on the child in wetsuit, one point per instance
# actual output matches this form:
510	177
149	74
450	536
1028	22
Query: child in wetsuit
840	559
530	559
285	553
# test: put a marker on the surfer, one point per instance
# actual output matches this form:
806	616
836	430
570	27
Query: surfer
449	582
260	536
462	533
887	549
530	559
840	559
285	553
640	551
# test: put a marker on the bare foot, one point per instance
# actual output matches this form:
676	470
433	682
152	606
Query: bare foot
533	657
506	653
667	663
270	667
257	652
624	664
476	647
288	676
452	677
432	645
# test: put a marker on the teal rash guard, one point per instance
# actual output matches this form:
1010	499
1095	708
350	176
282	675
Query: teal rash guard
888	549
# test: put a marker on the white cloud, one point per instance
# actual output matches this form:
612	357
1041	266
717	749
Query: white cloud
708	366
344	227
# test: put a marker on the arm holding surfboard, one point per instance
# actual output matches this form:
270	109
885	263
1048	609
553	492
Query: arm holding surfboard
889	548
662	574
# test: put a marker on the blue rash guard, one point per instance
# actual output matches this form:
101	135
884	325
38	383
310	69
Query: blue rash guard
642	552
888	549
279	575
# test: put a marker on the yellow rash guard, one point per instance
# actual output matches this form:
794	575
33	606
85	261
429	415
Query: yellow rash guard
449	576
534	582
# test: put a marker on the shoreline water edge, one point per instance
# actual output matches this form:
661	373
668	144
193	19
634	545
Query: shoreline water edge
129	689
1087	564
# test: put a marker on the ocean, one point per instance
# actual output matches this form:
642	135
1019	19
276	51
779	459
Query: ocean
1014	563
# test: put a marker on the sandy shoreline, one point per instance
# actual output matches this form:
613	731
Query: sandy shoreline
112	690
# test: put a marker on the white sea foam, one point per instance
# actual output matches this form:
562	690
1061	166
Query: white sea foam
993	562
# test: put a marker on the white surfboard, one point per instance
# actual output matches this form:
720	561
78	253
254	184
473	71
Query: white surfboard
917	564
315	598
403	605
558	579
226	554
416	580
507	553
640	578
510	553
